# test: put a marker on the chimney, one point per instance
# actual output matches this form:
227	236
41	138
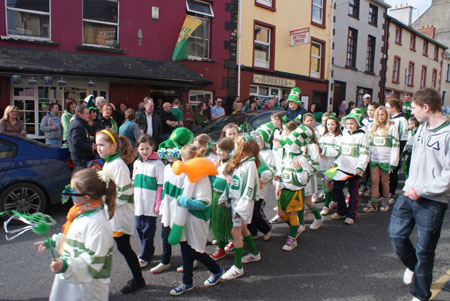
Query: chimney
429	30
403	13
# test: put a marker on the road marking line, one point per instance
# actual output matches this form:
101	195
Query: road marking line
437	286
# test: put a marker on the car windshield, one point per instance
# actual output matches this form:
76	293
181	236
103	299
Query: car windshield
216	126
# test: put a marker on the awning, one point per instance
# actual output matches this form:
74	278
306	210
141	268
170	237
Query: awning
19	60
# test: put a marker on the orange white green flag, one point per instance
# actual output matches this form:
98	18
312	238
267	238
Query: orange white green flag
181	47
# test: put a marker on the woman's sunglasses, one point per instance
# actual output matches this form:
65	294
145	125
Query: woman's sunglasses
67	193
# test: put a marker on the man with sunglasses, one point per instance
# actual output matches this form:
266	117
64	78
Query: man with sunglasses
217	111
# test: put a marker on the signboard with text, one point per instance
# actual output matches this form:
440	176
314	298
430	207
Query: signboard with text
299	36
273	81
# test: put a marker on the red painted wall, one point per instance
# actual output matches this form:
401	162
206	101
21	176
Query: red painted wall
5	93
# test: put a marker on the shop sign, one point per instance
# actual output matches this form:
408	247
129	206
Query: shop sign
273	81
299	36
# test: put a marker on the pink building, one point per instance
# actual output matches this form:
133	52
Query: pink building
51	50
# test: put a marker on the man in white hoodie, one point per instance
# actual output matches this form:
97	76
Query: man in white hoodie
425	195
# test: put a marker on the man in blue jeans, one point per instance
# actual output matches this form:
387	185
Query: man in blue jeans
425	195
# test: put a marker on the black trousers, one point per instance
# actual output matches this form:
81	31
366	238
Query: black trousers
188	256
393	177
259	219
124	247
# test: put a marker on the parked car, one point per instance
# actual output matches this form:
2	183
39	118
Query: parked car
254	119
32	175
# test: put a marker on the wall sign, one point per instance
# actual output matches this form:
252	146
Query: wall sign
299	36
273	81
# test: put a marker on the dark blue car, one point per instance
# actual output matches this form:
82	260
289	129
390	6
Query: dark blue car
32	175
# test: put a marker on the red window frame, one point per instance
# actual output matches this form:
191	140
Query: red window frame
396	67
434	78
324	11
412	42
322	57
436	52
423	77
272	46
272	8
410	83
398	30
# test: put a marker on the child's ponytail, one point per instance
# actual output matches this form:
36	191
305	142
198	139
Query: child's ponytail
127	152
110	198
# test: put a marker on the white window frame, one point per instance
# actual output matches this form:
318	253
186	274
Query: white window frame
319	57
320	7
193	11
423	76
100	22
207	39
205	94
30	12
448	72
268	3
259	63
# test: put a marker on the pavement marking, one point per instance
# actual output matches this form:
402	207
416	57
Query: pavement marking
437	286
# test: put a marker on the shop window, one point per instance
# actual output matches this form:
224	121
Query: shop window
316	59
198	96
101	23
318	9
370	59
263	46
353	8
423	77
352	41
373	14
410	75
28	18
396	70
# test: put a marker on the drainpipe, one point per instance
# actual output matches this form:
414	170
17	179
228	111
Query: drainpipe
239	50
330	60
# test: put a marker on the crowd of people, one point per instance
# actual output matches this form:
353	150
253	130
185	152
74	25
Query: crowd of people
354	153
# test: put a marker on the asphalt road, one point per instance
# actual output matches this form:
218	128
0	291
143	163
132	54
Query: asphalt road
336	262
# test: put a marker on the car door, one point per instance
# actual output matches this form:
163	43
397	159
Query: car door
8	152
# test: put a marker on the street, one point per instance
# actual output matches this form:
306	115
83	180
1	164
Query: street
336	262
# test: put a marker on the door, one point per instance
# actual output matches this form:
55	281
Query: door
338	94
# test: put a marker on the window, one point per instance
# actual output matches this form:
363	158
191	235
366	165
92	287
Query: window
262	52
410	74
316	59
370	60
28	18
396	70
373	14
360	91
433	78
197	96
199	40
423	77
353	8
436	53
317	14
7	150
412	42
448	72
101	23
352	41
398	35
269	4
425	48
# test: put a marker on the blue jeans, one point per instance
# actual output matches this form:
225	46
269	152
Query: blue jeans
146	228
427	216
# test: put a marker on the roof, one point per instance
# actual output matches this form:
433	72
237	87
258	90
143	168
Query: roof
416	32
20	60
381	3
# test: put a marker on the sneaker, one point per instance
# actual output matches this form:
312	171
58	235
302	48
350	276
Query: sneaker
143	263
300	230
370	208
213	279
132	286
215	242
314	198
290	244
181	289
233	273
194	266
229	247
321	195
276	220
325	211
256	236
161	267
316	223
349	221
391	201
337	216
408	277
268	235
333	205
218	254
251	258
384	208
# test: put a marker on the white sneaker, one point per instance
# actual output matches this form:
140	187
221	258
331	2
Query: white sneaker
233	273
337	216
161	267
325	211
321	195
300	230
349	221
290	244
275	208
143	263
408	276
214	242
314	198
251	258
276	220
268	235
316	223
194	266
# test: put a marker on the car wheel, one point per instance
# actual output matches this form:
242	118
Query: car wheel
23	197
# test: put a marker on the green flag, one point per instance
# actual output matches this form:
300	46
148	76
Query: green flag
181	47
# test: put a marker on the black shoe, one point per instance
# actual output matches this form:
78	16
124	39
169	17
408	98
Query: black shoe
132	286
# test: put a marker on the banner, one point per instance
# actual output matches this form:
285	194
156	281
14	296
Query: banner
181	47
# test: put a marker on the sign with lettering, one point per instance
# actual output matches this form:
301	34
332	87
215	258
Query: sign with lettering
299	36
273	81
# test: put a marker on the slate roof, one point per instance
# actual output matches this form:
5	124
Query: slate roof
21	60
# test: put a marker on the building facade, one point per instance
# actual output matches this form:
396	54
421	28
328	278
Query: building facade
358	48
285	44
52	50
415	60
